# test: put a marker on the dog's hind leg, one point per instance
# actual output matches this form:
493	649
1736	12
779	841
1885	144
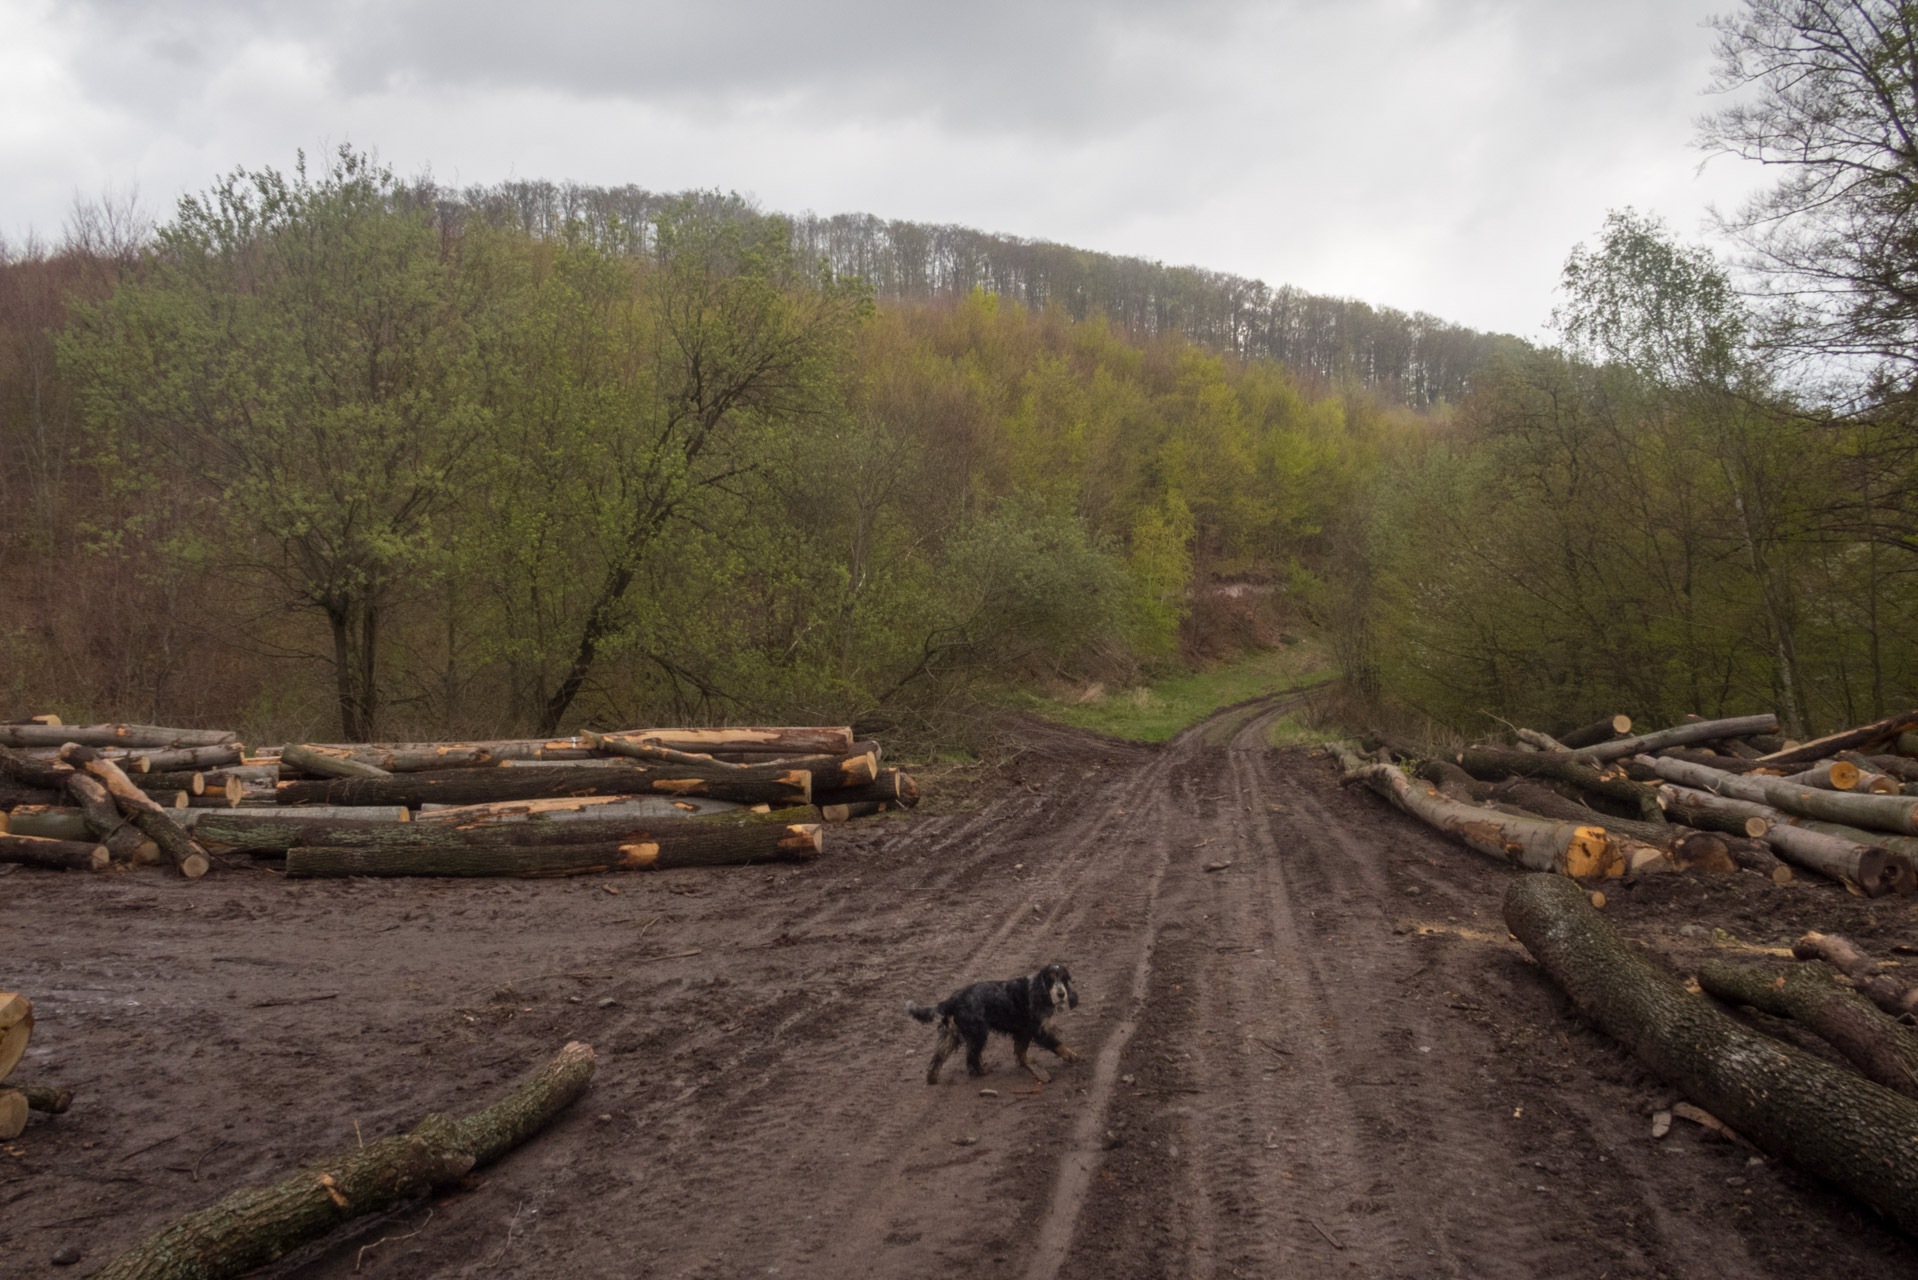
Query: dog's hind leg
948	1042
975	1048
1019	1045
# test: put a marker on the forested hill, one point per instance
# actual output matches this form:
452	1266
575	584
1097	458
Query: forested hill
1411	357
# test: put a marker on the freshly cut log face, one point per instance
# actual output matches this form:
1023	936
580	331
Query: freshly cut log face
1897	814
1873	868
1826	1119
54	855
173	840
111	735
891	786
16	1028
755	784
13	1113
656	850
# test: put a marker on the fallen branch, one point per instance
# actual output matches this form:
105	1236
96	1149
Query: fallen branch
1811	996
1889	994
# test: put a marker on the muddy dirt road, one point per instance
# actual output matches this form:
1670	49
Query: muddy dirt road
1324	1058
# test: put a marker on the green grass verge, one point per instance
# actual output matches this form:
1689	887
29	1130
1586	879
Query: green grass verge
1154	712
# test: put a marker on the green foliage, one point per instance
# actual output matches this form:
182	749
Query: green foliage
1156	711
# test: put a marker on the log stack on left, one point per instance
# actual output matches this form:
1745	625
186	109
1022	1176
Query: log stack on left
117	814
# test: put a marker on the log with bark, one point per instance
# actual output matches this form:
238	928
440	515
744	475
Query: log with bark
174	842
1899	767
1896	814
107	823
564	808
1866	863
13	1113
254	1227
328	764
1494	764
659	849
1896	998
1812	996
891	787
54	855
798	740
1681	735
44	1098
1708	759
1826	775
112	735
1543	741
431	757
848	812
1856	1134
23	771
1864	738
1453	782
12	797
752	784
1567	848
49	822
1598	731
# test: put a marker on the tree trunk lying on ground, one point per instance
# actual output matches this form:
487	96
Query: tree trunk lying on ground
657	850
44	1098
111	735
108	824
1811	996
1888	993
1453	782
1496	763
1679	735
254	1227
54	855
1873	868
1863	738
1690	850
1895	814
792	741
1598	731
566	808
752	784
1858	1135
173	840
1568	848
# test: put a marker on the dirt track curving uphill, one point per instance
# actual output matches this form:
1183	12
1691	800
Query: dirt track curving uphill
1323	1059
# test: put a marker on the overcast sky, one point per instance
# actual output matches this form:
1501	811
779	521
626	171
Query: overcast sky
1441	155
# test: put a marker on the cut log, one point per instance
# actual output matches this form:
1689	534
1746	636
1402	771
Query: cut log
12	797
1864	738
166	784
49	822
1543	741
1681	735
1873	868
174	842
1824	1118
1880	782
111	735
184	758
277	830
637	750
792	740
20	770
54	855
1896	814
656	850
1905	744
1567	848
254	1227
431	757
44	1098
106	823
242	832
1896	998
16	1028
1596	732
891	786
563	808
13	1113
328	764
753	784
1495	764
1810	995
1899	767
848	812
1453	782
1710	760
1827	775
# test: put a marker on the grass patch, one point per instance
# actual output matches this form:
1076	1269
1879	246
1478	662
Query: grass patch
1154	712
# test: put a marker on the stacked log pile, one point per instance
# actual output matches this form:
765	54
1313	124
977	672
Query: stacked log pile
1704	795
89	797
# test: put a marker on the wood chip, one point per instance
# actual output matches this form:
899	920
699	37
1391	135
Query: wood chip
1661	1124
1218	866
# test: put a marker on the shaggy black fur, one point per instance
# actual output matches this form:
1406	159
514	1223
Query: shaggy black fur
1018	1008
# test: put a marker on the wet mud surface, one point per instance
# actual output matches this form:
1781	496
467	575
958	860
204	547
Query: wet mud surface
1324	1058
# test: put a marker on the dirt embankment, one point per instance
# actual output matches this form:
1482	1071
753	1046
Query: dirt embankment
1325	1058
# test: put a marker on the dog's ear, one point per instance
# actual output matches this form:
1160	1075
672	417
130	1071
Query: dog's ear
1072	995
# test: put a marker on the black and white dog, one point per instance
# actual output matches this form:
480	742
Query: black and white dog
1018	1008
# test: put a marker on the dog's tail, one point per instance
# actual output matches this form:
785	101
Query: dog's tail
920	1011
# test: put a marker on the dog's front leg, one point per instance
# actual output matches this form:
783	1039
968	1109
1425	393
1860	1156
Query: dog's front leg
1058	1047
1019	1045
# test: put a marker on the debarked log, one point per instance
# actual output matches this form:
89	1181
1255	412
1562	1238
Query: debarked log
1863	738
1810	995
793	740
655	850
54	855
257	1226
1856	1134
1567	848
752	784
328	764
1896	814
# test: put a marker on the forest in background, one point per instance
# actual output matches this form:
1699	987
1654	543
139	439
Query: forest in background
335	451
